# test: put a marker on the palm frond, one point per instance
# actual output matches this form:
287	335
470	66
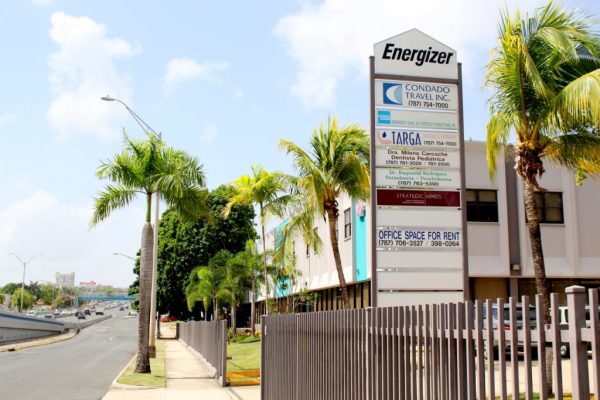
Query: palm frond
113	197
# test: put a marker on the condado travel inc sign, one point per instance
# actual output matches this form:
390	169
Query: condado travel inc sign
417	153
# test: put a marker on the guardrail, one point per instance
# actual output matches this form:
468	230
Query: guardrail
15	327
209	340
444	351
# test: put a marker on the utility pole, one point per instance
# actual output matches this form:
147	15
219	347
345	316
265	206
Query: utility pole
23	282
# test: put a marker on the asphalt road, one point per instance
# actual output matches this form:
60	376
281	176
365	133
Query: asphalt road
81	368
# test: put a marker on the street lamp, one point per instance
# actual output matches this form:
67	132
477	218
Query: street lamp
124	255
146	127
23	283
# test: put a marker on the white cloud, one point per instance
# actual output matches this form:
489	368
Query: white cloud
185	70
7	118
81	71
209	133
41	223
332	41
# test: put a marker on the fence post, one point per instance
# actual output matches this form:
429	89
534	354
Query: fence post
223	360
579	363
263	358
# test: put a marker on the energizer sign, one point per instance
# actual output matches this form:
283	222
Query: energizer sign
418	56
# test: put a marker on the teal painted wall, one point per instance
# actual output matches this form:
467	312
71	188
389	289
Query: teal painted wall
360	244
282	286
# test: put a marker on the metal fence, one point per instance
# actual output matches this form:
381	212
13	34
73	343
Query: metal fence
209	339
467	350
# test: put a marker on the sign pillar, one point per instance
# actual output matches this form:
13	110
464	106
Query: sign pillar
417	175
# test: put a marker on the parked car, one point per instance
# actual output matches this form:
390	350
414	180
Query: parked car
168	318
506	323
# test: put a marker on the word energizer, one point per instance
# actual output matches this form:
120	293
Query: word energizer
418	56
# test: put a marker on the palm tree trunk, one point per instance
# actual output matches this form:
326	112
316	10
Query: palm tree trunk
233	312
264	243
539	268
331	217
253	308
143	358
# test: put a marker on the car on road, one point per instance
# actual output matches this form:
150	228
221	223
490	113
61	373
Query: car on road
121	308
87	311
99	310
80	315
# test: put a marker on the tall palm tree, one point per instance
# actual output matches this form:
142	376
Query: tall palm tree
545	80
268	191
338	161
147	167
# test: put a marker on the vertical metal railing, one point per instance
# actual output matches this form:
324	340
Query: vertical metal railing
465	350
209	340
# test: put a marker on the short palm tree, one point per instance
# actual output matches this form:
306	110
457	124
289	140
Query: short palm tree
268	191
546	88
338	162
146	167
250	263
207	284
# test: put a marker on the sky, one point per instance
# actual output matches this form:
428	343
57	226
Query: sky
224	81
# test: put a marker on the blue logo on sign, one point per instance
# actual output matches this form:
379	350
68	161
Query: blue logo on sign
392	93
384	117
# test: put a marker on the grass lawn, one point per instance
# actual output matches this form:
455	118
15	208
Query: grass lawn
154	379
245	356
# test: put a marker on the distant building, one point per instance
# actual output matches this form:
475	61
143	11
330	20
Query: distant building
65	280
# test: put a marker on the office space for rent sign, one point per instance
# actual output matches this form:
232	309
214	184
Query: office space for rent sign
417	157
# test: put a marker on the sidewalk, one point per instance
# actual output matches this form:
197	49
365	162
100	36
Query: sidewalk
187	378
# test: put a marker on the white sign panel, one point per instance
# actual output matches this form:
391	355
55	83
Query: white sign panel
419	95
402	138
413	53
395	238
416	119
416	158
417	178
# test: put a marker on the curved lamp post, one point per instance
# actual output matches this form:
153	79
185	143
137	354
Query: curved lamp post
23	283
146	127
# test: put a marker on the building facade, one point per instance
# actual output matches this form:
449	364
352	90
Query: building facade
499	251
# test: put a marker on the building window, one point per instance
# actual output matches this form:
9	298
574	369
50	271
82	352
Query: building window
482	205
550	210
347	223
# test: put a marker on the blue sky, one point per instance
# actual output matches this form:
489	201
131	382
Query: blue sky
222	80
